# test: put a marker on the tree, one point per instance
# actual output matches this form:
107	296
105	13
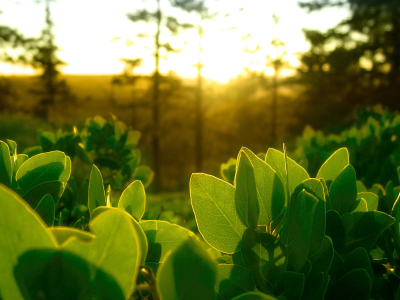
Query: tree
162	22
203	13
356	63
10	38
45	59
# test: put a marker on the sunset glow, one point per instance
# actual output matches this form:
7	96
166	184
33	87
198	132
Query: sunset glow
84	30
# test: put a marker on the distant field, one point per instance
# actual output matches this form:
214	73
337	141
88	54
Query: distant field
232	118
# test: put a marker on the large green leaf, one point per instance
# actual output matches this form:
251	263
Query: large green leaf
41	168
343	191
96	193
246	192
291	285
371	199
5	165
162	236
233	280
213	202
302	215
133	200
21	230
188	272
46	209
271	193
115	251
315	187
265	254
296	173
355	285
358	259
367	229
35	194
334	165
136	225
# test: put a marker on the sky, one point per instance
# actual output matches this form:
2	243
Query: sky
93	35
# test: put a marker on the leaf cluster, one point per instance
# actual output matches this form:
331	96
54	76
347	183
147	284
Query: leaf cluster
275	233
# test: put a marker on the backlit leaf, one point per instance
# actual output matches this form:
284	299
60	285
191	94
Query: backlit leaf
176	278
213	202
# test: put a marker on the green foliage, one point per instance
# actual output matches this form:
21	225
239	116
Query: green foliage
373	143
275	233
331	239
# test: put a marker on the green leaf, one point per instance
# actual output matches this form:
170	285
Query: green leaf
343	191
335	230
265	254
327	198
176	278
41	168
361	187
136	225
62	234
355	285
361	206
371	199
315	187
301	229
21	230
115	250
296	173
358	259
46	209
291	285
213	202
96	193
32	151
132	139
6	170
254	296
13	146
367	229
232	281
162	236
321	261
395	213
35	194
228	170
64	177
133	200
144	174
334	165
271	193
246	192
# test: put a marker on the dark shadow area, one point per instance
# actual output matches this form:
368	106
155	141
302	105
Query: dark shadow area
46	274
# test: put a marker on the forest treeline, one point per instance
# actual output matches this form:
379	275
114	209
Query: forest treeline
194	126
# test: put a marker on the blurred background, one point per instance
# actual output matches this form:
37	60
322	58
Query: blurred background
202	78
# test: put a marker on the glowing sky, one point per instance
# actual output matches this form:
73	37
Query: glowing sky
84	30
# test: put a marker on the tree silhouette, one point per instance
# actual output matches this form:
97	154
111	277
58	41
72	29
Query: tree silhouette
356	63
10	38
45	59
162	22
203	13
